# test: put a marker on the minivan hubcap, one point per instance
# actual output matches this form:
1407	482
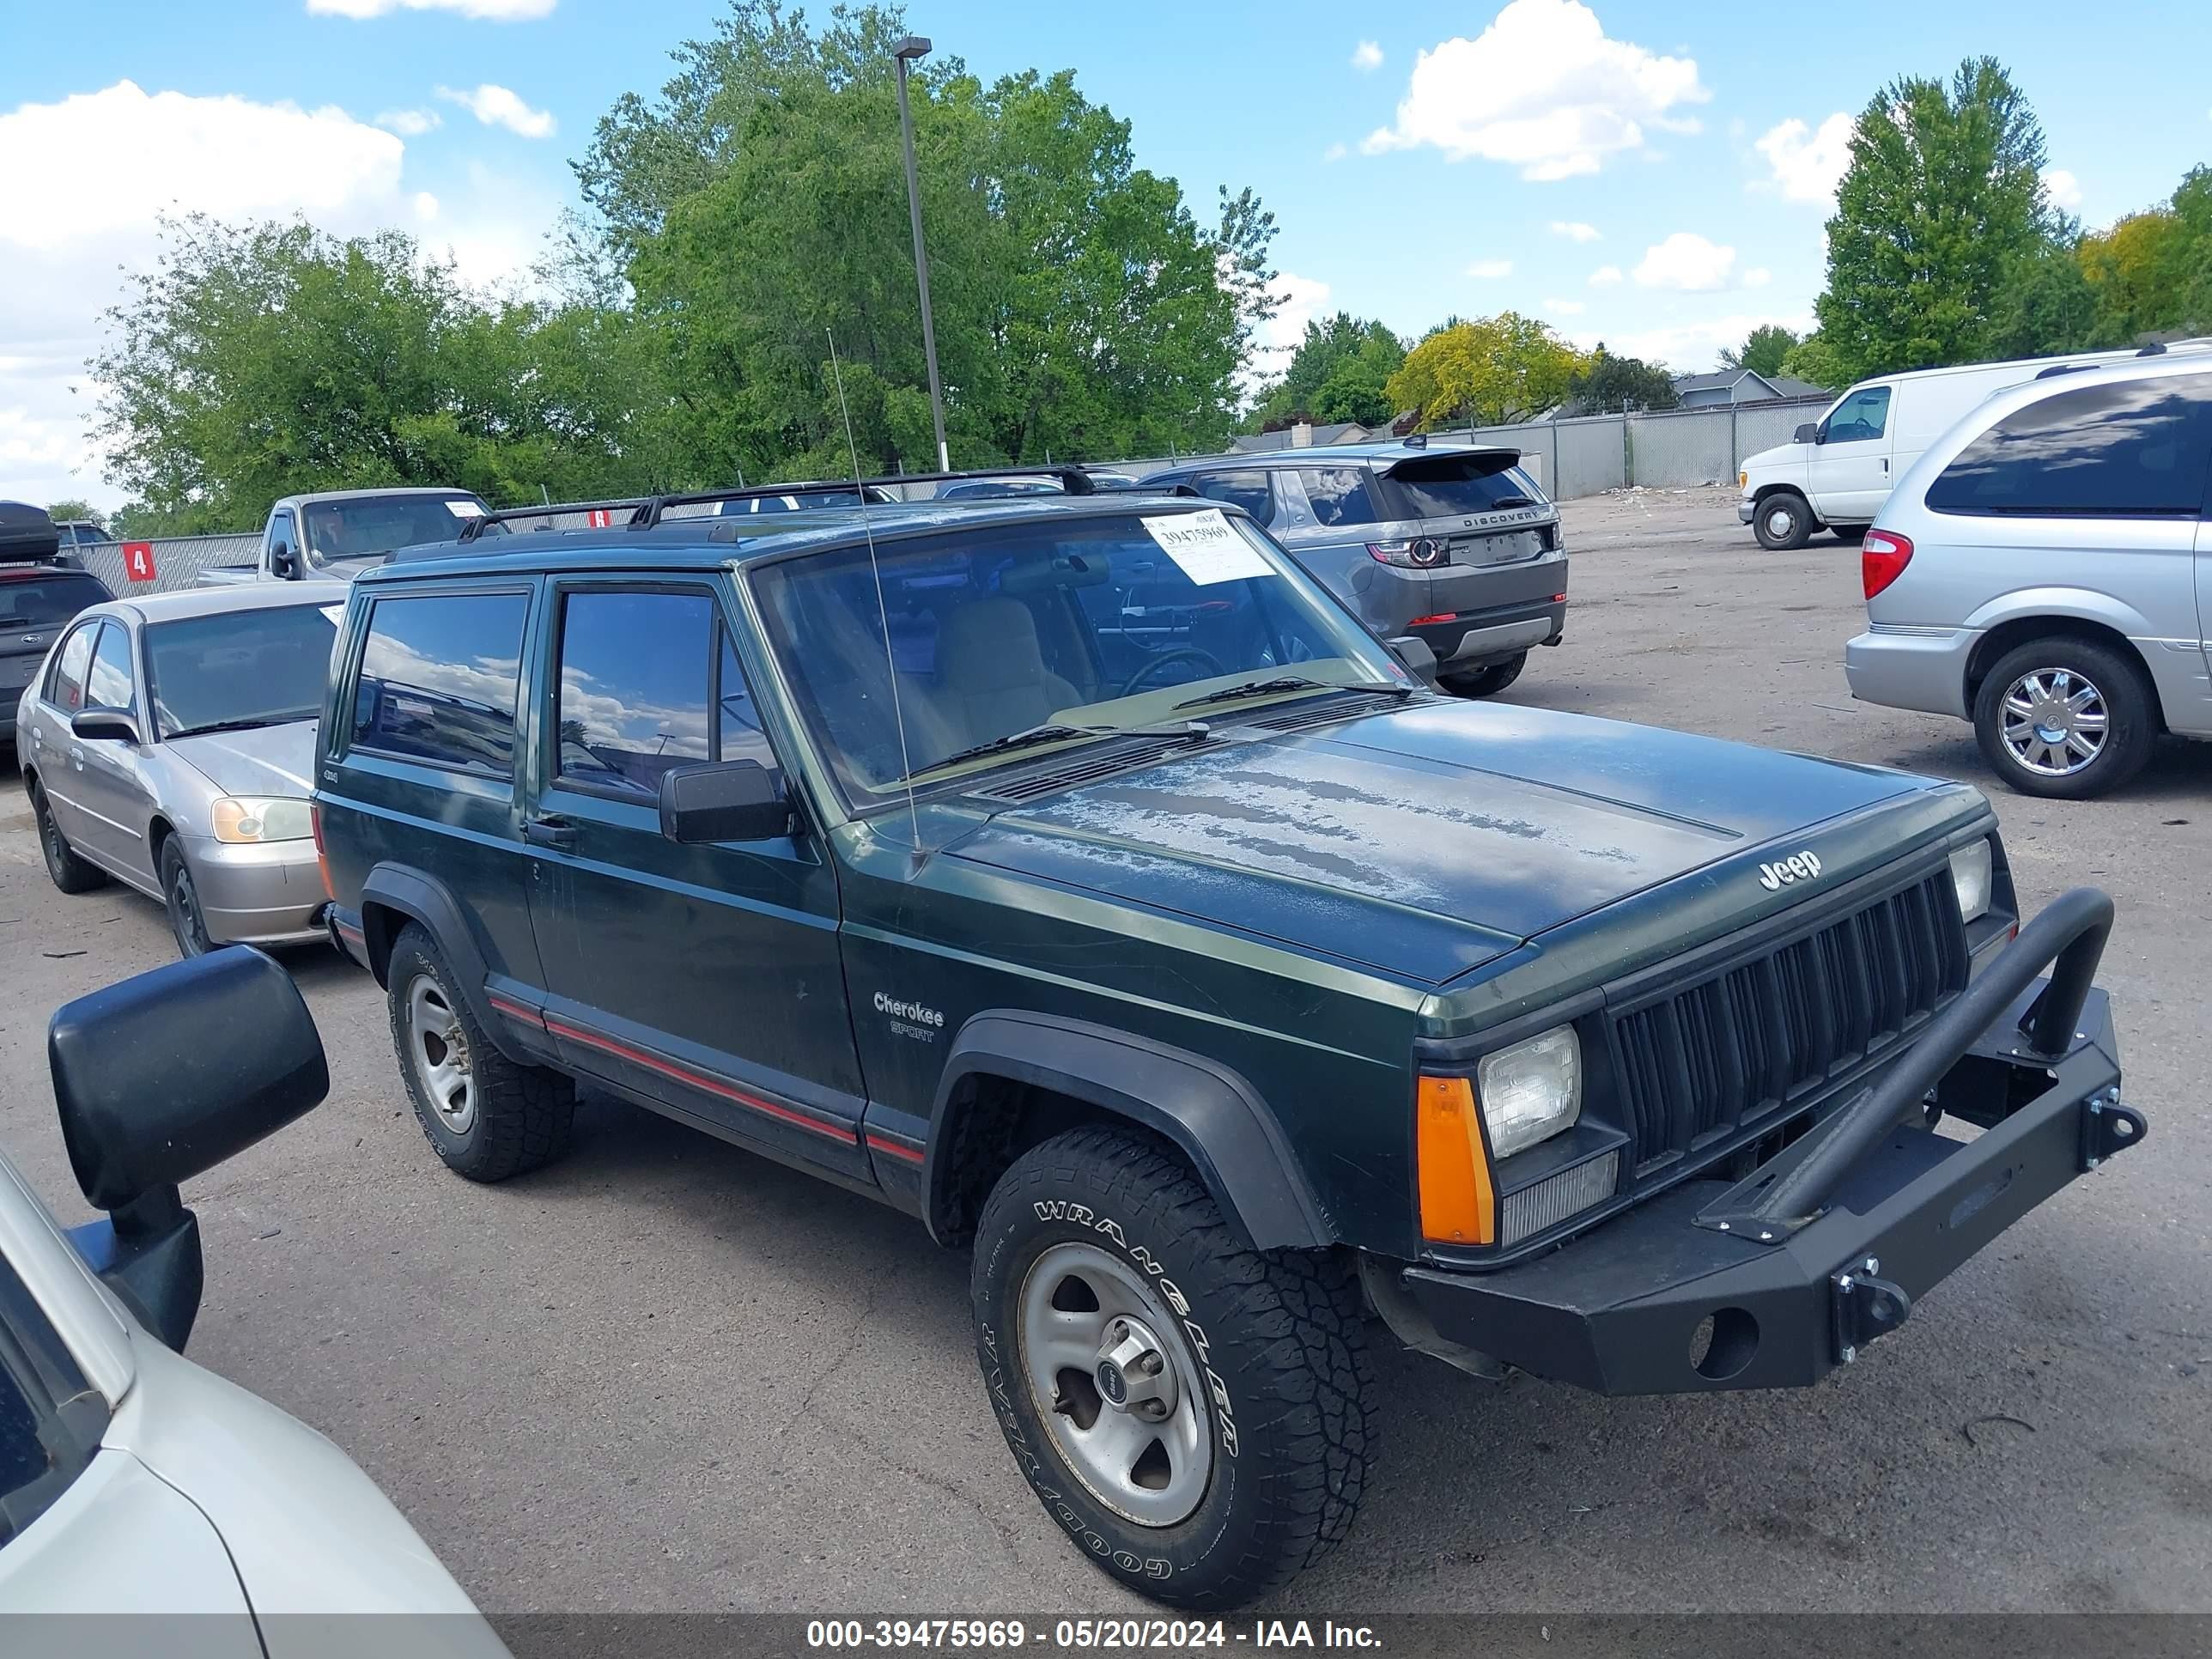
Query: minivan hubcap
441	1052
2054	722
1115	1382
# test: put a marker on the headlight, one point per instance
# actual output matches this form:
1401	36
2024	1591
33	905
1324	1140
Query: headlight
1970	874
249	819
1531	1091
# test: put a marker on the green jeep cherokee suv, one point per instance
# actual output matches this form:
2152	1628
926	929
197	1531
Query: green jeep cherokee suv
1075	874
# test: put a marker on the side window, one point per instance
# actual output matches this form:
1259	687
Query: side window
109	683
50	1421
1862	415
65	685
2139	448
737	734
648	682
438	679
1248	490
1338	494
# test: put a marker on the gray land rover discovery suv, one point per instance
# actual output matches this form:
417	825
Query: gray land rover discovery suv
1455	546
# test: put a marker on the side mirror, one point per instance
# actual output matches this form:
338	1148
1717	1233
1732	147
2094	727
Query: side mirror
727	800
283	564
105	725
1809	432
1419	660
147	1101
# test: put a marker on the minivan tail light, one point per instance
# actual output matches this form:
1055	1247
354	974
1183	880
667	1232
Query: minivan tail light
1417	553
1882	558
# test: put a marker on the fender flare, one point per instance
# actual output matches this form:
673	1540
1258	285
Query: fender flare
428	901
1213	1115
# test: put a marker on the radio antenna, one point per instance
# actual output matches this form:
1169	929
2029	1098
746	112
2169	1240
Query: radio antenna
883	610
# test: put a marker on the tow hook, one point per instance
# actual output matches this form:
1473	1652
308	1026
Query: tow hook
2108	1126
1863	1306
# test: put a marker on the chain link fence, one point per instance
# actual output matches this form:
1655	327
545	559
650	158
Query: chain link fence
178	561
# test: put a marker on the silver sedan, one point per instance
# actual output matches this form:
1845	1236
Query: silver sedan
169	742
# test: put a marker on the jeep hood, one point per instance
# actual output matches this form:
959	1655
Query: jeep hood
1426	840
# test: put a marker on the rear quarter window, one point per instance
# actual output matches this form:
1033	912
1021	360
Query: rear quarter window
2139	448
1339	495
439	679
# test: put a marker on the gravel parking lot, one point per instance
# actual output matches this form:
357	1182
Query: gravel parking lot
665	1373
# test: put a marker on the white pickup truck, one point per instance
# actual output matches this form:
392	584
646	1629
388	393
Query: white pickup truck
336	534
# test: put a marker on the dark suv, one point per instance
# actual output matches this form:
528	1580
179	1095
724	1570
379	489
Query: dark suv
1074	874
1454	545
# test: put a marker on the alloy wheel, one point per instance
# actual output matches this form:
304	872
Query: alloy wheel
439	1050
1116	1384
2054	721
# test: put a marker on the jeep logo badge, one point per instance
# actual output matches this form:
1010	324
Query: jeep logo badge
1112	1383
1798	866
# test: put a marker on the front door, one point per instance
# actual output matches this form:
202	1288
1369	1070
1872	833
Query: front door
707	977
1848	475
56	749
108	772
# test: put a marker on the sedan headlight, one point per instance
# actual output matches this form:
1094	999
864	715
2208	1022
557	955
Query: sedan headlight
250	818
1531	1091
1970	874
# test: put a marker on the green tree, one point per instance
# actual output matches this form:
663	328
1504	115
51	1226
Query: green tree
1763	350
1491	371
1330	345
2046	303
1356	390
1813	361
61	511
1943	195
1608	384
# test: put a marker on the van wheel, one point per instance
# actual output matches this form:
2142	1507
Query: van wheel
486	1117
70	873
1191	1410
1486	681
2066	719
1783	521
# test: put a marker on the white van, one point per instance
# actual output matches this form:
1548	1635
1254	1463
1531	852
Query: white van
1836	471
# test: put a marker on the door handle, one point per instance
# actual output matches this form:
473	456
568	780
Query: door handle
550	831
76	758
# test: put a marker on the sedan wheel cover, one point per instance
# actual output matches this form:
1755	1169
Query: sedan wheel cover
439	1051
1116	1384
2054	722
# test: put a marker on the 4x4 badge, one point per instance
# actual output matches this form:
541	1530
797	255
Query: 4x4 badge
1798	866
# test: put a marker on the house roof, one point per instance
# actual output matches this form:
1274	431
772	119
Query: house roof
1335	431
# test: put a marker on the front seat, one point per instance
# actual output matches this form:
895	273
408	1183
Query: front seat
991	679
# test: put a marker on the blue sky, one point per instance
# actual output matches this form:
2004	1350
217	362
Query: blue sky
1654	175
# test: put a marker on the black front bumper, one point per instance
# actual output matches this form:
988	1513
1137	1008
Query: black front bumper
1673	1297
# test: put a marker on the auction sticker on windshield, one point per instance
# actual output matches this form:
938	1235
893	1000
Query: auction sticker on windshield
465	509
1205	548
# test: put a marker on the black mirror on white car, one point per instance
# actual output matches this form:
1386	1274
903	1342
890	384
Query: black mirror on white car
157	1081
725	800
105	725
283	564
1809	432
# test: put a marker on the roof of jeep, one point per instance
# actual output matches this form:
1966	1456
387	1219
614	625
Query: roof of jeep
712	544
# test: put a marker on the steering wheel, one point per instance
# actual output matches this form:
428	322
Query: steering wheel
1180	654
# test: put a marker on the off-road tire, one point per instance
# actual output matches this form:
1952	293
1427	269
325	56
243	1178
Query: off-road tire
2130	705
69	872
522	1113
1487	681
1783	521
1281	1337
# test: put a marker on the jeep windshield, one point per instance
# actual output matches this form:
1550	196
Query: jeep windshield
370	527
1057	632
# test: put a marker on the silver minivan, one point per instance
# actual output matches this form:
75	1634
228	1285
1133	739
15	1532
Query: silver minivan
2044	570
1452	545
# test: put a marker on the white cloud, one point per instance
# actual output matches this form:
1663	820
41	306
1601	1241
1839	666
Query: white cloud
1489	270
496	107
409	123
1567	307
1686	260
1757	276
2063	188
82	183
1367	56
1690	347
1543	90
1808	164
1574	230
497	11
1605	277
1333	153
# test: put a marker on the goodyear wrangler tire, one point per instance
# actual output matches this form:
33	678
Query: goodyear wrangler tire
1191	1410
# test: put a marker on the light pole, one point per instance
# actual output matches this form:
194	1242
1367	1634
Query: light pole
916	46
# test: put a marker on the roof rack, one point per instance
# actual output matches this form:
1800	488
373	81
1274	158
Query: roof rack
644	511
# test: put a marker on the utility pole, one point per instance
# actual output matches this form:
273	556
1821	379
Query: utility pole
908	51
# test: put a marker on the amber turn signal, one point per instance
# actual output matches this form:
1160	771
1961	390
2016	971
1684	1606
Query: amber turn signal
1457	1204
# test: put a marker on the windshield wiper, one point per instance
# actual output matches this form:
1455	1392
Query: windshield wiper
249	724
1058	731
1288	683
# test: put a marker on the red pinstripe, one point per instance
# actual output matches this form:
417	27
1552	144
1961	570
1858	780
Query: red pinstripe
695	1079
878	1144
